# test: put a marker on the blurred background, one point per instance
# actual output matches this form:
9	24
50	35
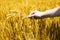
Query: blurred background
14	24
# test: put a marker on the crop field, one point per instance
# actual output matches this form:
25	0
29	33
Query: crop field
15	24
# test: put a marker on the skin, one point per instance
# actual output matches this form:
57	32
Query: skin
48	13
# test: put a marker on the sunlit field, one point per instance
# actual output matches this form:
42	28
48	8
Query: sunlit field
15	24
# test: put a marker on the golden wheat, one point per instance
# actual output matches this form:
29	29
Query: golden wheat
14	24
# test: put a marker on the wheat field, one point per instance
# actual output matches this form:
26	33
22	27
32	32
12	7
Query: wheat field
14	24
